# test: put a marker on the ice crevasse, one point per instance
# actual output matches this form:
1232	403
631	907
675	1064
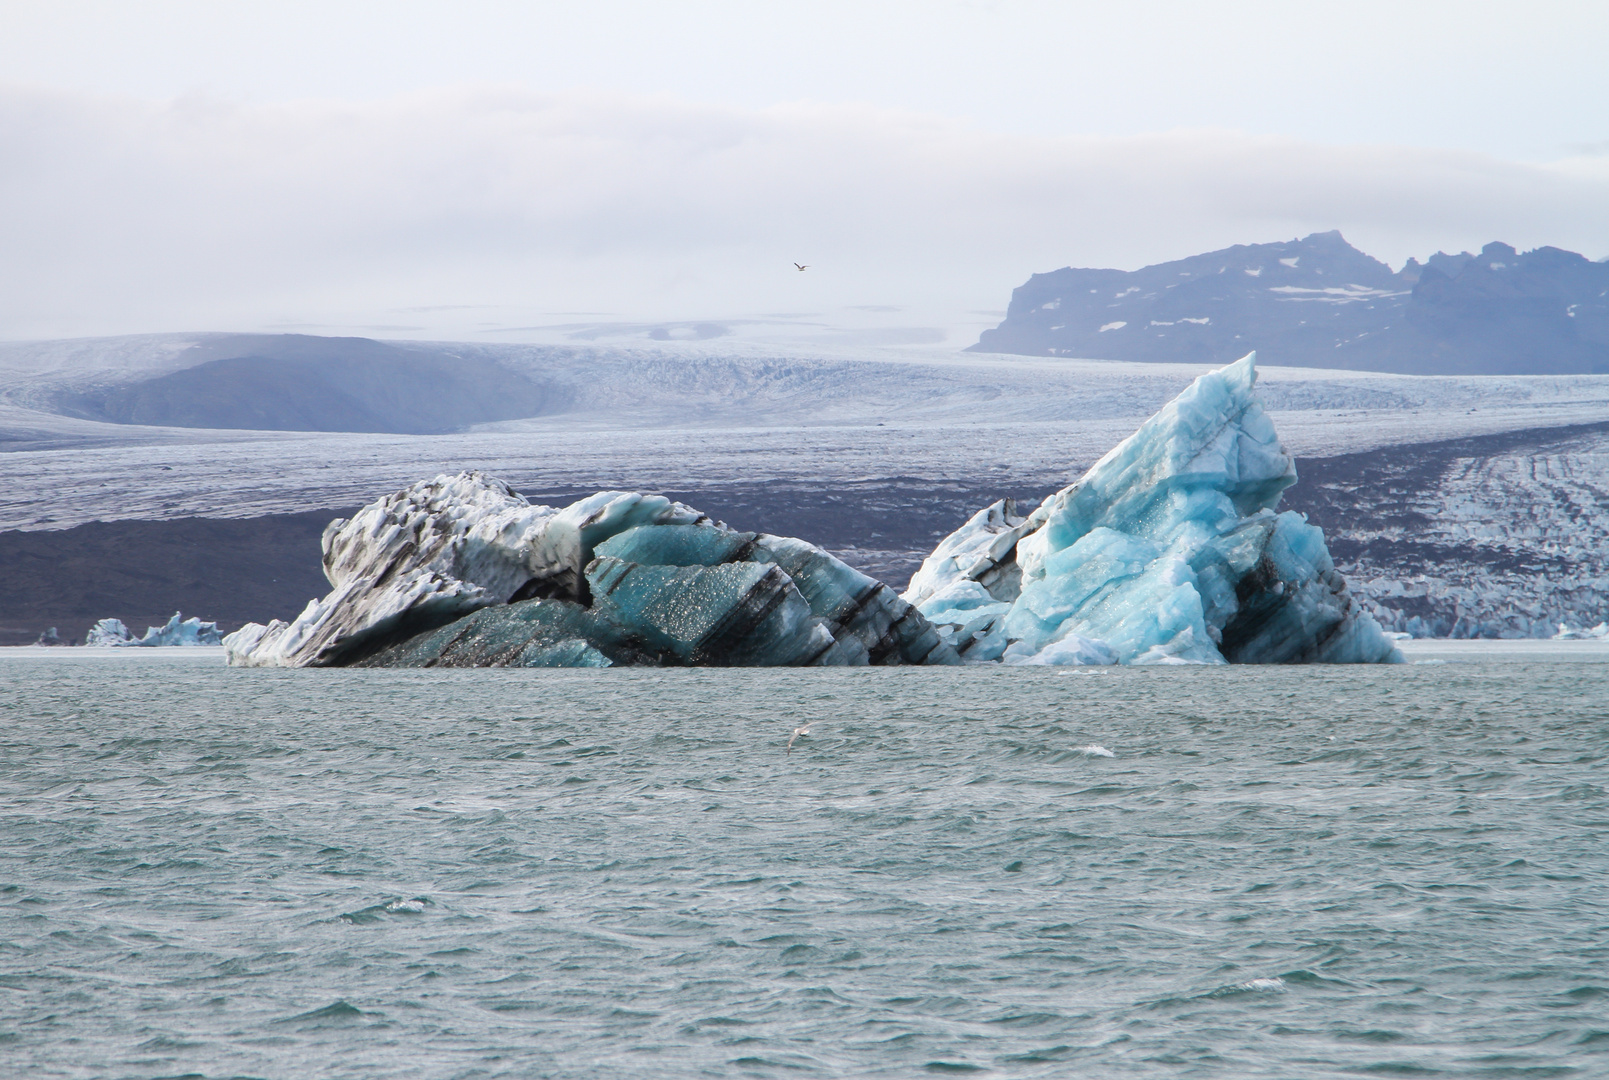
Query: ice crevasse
1167	551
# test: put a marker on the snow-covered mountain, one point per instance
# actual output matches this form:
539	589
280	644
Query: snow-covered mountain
1320	302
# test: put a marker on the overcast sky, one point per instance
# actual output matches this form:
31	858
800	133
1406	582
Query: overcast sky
465	169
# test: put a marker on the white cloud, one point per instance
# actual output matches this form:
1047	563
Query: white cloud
493	206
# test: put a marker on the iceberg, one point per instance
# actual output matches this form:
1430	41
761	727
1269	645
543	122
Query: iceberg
460	571
112	632
436	552
1567	633
1167	551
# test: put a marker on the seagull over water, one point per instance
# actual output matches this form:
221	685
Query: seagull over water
798	732
802	267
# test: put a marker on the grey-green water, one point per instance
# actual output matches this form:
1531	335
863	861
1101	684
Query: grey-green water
1278	872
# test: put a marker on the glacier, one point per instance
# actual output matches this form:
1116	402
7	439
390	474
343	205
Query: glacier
1167	551
177	631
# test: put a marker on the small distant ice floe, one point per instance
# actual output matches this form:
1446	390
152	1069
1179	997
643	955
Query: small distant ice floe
1096	750
112	632
416	906
395	906
50	637
1597	633
1259	986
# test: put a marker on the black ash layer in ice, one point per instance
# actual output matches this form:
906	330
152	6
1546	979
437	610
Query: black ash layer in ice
1167	551
461	571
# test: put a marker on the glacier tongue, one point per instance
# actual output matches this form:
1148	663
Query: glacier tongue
1168	550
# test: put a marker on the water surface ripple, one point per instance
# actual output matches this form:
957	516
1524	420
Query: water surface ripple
1286	872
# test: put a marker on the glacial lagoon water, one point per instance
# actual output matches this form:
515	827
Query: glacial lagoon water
1180	872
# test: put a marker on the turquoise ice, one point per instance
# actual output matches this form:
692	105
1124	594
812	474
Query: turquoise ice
1168	550
691	593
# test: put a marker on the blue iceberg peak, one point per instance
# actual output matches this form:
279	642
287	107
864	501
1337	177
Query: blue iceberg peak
1210	456
1168	550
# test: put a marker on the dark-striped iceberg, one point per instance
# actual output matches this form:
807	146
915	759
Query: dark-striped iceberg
462	572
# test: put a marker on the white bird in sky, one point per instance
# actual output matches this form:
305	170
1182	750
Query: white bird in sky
798	732
802	267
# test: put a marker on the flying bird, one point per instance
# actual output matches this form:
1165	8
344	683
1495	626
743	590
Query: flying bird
802	267
798	732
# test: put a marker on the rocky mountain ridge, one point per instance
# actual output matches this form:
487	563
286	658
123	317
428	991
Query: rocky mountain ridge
1320	302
